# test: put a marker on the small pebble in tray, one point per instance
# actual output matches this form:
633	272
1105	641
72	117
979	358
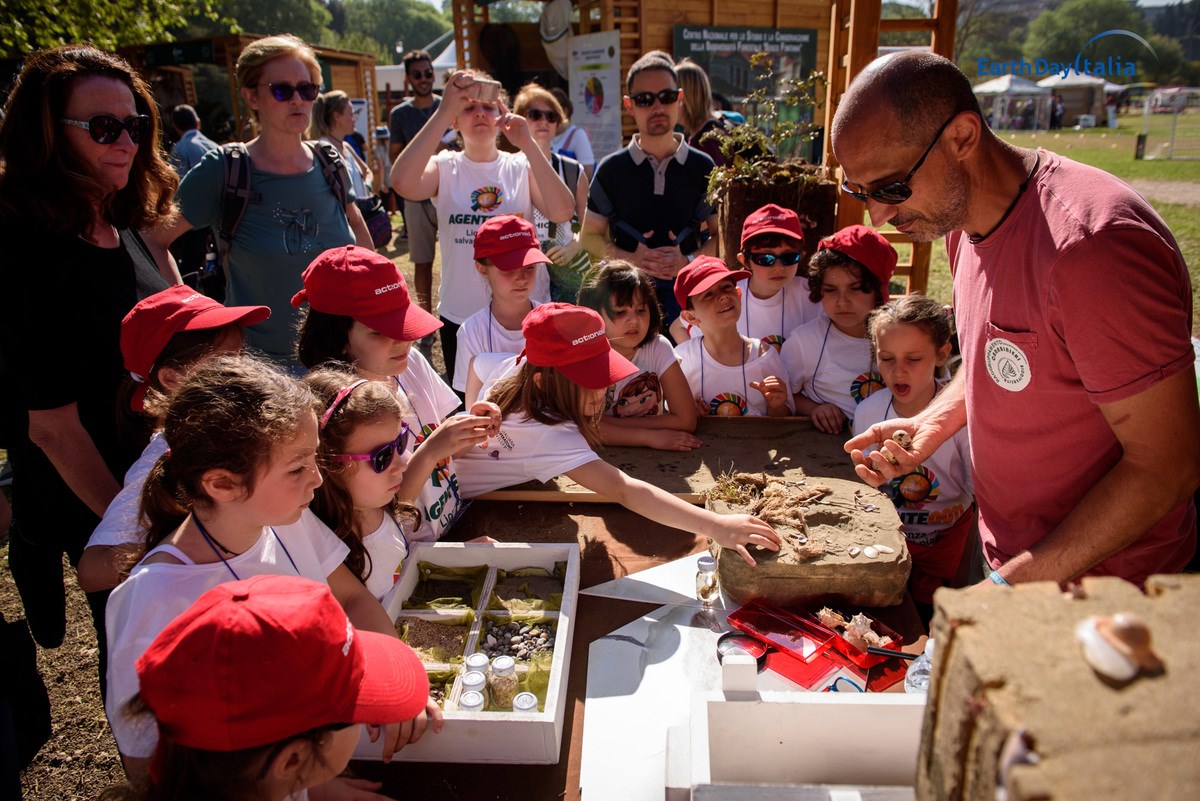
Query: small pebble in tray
518	640
423	636
438	694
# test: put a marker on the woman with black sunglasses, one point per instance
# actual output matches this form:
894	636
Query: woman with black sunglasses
81	173
294	212
560	241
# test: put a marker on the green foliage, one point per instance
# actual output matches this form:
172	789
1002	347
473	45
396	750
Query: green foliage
515	11
358	42
411	22
752	147
1059	34
308	19
29	25
895	10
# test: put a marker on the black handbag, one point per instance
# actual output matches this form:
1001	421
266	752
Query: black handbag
379	222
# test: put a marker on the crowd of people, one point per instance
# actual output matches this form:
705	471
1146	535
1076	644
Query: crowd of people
242	481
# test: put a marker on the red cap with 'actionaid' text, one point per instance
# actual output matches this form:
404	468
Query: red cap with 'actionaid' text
702	273
509	242
257	661
356	282
571	339
867	247
150	324
772	219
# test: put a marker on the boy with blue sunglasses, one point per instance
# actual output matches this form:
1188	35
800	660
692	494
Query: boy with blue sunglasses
774	301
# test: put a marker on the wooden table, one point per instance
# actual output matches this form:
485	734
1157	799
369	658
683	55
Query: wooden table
613	542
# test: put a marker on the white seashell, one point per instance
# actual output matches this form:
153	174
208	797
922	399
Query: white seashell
884	548
870	552
1100	653
855	550
870	507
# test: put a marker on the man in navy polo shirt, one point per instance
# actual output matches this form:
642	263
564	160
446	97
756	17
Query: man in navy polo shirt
651	199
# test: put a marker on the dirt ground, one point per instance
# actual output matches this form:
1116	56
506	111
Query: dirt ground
1182	192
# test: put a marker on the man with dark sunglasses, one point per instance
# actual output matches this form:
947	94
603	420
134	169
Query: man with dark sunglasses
420	217
650	199
1074	314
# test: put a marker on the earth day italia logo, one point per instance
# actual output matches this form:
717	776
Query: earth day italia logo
1041	67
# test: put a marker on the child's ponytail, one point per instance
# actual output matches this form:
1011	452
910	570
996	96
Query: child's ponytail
164	507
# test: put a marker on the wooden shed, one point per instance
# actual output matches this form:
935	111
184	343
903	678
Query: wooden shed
168	68
848	34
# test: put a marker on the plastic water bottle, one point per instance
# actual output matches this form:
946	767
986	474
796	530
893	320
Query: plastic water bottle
916	680
210	260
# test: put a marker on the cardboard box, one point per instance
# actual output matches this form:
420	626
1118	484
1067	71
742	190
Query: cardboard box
490	737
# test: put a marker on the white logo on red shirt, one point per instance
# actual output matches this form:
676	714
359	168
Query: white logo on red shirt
1007	364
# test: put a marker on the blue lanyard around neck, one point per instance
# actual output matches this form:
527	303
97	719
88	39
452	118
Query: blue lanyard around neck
212	544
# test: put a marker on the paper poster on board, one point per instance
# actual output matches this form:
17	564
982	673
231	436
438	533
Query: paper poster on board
594	78
724	53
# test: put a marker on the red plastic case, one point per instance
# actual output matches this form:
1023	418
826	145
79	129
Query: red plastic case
860	658
785	631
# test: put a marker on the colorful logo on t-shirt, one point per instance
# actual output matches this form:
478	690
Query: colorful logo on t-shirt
442	468
487	199
865	386
775	341
727	404
915	489
641	397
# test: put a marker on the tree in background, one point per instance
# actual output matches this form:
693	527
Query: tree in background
28	25
412	22
1059	34
1182	21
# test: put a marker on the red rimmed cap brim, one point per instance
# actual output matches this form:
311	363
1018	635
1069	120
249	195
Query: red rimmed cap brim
511	260
394	685
713	280
220	316
600	371
407	325
771	229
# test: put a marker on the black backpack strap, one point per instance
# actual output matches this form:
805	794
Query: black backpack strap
236	196
333	167
699	216
605	208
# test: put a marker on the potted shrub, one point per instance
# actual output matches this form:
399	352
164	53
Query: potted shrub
780	116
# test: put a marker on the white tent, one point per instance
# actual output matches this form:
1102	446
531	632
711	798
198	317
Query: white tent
393	74
1083	96
1015	103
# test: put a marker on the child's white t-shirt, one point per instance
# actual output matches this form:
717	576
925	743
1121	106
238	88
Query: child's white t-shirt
774	318
155	594
936	494
430	401
469	193
120	525
523	450
641	394
828	366
726	389
482	333
388	548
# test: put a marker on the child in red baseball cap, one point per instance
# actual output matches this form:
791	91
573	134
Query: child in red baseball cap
551	398
507	255
261	689
775	301
361	315
829	360
163	338
730	374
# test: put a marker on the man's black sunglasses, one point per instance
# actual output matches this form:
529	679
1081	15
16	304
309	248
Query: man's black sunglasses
897	192
417	74
770	259
283	91
668	97
106	129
